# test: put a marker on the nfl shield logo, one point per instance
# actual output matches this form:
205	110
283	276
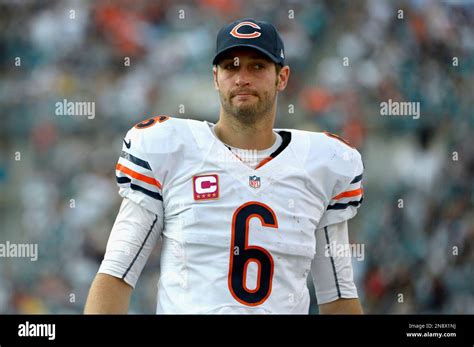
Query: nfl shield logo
254	181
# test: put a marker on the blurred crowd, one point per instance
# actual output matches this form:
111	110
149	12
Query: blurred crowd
135	59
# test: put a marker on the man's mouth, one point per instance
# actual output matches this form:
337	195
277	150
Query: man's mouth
243	94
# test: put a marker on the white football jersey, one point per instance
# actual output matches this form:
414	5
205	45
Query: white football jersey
236	239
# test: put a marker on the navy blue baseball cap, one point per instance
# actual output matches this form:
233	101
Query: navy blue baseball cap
258	35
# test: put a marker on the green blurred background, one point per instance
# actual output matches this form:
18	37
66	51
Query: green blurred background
62	193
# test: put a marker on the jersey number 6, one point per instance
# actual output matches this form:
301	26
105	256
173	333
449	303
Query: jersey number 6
241	254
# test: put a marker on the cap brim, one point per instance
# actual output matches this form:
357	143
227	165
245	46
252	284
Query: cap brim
266	53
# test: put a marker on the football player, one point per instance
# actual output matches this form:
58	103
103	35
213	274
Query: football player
245	211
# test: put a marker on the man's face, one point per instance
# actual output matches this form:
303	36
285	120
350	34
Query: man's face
247	82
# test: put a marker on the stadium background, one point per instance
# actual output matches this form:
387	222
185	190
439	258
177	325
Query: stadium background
408	250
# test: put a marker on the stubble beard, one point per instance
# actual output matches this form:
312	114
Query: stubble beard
250	113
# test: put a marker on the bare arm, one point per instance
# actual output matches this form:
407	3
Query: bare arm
108	295
341	306
130	243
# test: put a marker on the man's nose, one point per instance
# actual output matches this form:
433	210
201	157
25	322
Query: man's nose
242	78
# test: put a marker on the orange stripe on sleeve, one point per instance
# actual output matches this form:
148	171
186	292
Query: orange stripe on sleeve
138	176
349	193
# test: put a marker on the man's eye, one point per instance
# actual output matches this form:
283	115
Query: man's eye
229	66
259	66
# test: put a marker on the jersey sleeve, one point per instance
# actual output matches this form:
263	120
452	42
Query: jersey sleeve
347	195
131	241
135	176
332	271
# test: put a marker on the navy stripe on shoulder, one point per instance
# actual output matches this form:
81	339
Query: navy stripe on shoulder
154	195
341	206
135	160
121	180
357	179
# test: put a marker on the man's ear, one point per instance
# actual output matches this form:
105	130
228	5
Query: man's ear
214	75
283	77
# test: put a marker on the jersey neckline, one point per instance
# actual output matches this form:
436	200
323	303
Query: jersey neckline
286	139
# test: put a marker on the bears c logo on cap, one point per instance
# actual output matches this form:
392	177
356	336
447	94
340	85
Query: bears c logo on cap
235	33
248	32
